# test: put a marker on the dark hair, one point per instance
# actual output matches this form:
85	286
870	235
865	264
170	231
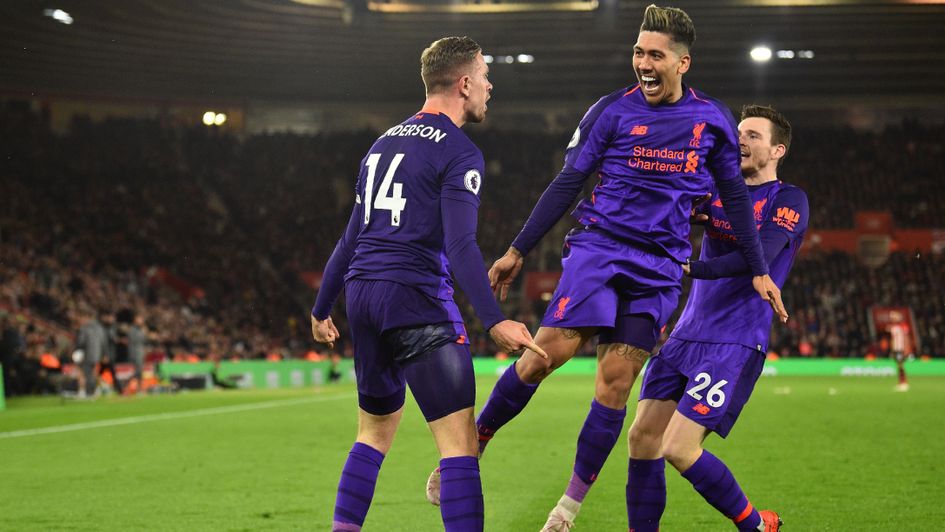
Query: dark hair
780	127
441	62
671	21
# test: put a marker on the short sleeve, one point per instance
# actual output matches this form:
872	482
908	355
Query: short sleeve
789	214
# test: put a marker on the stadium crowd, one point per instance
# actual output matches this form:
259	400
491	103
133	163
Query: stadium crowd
206	234
830	295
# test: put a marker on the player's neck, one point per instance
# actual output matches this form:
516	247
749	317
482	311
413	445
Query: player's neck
450	107
761	178
677	94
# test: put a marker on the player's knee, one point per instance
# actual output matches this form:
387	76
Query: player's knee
613	393
455	434
533	369
679	454
615	381
644	441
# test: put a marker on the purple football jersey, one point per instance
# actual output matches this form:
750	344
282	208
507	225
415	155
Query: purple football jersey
728	310
652	161
402	178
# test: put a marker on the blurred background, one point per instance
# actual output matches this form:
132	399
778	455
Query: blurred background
180	171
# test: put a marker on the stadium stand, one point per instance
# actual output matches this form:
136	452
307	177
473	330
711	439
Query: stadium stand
211	236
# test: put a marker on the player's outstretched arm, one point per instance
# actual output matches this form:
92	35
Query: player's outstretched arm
504	271
324	331
512	336
554	202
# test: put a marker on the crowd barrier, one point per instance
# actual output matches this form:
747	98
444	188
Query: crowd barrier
297	374
844	367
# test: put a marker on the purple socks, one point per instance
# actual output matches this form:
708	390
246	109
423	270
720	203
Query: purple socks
600	432
646	494
356	487
461	494
508	398
713	480
460	491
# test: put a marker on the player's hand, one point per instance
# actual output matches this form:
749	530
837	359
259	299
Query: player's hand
324	331
699	218
770	292
512	336
686	269
504	271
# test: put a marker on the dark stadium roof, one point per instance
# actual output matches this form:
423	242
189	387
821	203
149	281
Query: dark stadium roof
317	50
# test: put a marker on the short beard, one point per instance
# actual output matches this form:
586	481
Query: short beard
475	118
750	172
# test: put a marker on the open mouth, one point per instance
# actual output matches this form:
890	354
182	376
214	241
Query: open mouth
650	84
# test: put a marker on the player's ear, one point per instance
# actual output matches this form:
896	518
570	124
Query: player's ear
465	86
684	61
779	152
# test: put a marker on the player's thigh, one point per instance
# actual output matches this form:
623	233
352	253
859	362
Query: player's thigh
648	285
720	380
378	431
649	425
441	378
381	383
585	295
455	434
623	350
560	344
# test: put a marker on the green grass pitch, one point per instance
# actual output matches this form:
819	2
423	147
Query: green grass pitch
827	453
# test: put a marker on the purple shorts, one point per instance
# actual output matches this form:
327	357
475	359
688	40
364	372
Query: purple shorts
711	382
379	307
604	280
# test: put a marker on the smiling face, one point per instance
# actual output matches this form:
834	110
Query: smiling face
659	64
759	153
477	89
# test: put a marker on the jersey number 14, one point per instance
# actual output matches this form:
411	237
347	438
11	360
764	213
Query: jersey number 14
395	202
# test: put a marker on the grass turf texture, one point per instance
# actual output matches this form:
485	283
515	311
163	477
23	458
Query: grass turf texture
827	453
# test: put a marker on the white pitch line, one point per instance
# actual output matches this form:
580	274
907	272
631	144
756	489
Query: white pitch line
172	415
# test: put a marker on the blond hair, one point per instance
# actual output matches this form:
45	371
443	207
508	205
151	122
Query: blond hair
442	61
672	21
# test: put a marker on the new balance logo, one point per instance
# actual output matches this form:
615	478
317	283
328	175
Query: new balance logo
639	130
562	305
702	409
